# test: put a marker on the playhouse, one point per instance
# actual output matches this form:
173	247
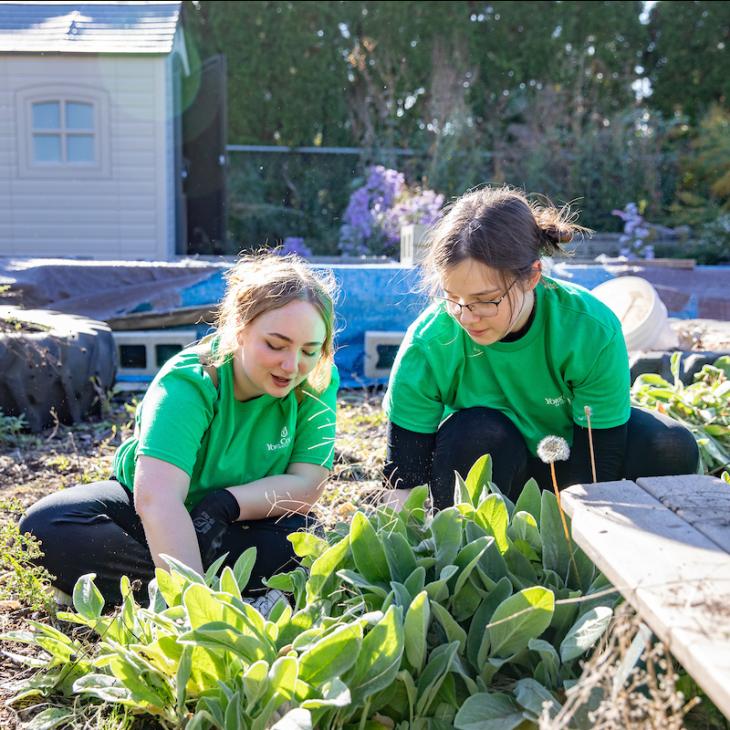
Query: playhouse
91	140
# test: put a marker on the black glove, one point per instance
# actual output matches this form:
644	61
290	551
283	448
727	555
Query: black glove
211	518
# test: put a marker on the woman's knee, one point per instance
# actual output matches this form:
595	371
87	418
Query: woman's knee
39	522
659	446
678	450
38	519
59	520
465	437
481	426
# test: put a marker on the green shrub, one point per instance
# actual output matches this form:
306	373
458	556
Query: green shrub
703	190
11	427
703	407
710	245
713	242
20	578
401	620
276	196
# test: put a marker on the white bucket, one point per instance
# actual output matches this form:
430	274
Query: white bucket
642	313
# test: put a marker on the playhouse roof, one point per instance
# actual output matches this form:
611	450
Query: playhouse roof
90	27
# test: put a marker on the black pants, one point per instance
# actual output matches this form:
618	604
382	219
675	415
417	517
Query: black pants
94	528
650	444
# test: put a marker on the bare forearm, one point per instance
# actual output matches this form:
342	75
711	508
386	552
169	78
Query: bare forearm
274	496
169	530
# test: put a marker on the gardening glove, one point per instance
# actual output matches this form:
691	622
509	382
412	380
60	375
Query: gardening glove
211	518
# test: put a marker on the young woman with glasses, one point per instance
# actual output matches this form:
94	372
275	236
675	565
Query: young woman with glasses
505	356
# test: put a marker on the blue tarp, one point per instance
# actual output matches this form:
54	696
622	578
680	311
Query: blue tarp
381	297
386	297
372	297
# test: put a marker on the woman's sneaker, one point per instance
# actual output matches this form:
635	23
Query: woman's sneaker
61	599
265	604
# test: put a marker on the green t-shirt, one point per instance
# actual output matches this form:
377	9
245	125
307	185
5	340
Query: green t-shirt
219	441
573	355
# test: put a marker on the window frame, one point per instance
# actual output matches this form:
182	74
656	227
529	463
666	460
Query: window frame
63	94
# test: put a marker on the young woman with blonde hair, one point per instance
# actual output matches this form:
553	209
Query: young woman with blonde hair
232	445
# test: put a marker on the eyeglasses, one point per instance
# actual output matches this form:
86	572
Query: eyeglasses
478	309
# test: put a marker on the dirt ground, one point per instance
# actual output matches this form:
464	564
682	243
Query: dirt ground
702	334
33	465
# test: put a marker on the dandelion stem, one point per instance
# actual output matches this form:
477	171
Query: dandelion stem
560	506
590	443
563	520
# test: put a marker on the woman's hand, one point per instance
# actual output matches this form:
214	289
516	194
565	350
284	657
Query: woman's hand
211	518
394	498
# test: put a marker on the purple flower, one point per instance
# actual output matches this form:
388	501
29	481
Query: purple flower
636	232
377	211
294	245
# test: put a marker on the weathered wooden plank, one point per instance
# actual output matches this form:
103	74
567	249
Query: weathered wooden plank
159	320
702	501
676	578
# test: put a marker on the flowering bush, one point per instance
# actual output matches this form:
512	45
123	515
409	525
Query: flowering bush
294	245
377	211
637	233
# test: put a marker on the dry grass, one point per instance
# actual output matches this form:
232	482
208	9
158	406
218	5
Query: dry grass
33	465
358	470
638	681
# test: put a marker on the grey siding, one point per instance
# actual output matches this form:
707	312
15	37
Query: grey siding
122	213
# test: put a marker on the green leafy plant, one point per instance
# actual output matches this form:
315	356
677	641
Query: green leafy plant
20	578
703	407
398	620
713	241
11	427
703	192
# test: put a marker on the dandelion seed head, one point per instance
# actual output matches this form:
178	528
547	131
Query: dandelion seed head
553	448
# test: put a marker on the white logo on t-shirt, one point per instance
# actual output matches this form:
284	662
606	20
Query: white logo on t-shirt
559	401
284	441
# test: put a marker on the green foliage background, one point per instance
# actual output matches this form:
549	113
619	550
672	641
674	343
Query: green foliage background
542	95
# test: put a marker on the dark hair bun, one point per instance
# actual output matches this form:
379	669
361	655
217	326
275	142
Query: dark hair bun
556	234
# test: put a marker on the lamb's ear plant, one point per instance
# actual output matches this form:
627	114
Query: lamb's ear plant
397	620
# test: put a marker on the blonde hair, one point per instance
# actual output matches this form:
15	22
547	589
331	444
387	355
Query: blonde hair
261	282
498	227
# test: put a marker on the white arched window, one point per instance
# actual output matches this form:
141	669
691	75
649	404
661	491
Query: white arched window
63	131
